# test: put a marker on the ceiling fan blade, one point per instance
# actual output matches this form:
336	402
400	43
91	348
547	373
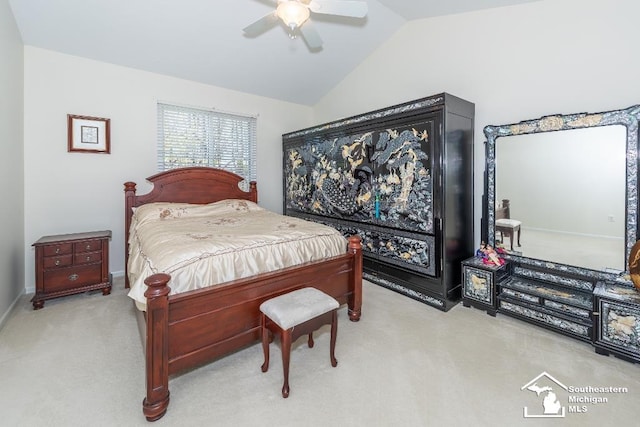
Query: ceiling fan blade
355	9
261	25
310	35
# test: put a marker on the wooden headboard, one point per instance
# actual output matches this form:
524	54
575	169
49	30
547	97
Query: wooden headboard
200	185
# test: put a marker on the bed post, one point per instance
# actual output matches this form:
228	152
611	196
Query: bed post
129	196
253	189
156	401
355	300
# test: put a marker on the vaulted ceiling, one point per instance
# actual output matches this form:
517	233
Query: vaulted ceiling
202	40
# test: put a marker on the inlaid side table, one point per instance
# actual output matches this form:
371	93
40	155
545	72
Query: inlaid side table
617	321
479	282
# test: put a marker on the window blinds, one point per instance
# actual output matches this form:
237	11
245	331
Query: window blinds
197	137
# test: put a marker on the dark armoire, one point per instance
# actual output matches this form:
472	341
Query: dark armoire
402	179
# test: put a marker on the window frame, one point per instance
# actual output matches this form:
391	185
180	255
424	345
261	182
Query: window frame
191	136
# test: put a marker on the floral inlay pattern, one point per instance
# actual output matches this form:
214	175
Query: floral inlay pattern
546	318
621	325
396	287
369	177
478	284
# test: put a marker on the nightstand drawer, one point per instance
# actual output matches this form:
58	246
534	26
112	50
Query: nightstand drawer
64	278
58	261
59	249
88	246
87	257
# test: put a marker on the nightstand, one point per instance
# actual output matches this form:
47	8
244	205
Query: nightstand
68	264
617	321
479	282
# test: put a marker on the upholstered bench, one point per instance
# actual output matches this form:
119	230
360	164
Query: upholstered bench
292	315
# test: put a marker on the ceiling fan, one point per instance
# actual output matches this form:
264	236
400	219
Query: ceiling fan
295	14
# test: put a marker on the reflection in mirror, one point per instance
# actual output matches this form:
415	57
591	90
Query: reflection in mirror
566	193
562	191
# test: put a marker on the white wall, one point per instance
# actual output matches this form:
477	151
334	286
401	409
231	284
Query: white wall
515	63
74	192
11	163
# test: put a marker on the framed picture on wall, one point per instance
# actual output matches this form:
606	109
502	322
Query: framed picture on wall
88	134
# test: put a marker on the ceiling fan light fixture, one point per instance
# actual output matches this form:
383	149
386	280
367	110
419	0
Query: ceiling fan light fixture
292	13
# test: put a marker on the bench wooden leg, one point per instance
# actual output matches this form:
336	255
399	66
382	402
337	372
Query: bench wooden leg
286	353
264	332
334	334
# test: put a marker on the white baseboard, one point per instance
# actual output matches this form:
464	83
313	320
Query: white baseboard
117	274
5	316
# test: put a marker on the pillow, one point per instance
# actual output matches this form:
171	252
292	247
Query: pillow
168	211
234	205
160	210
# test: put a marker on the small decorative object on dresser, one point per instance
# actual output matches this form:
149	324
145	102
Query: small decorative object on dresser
68	264
617	317
634	264
479	280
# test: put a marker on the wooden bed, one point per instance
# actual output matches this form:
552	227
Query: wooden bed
189	329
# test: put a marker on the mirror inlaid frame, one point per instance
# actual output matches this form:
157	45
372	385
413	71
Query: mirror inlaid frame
626	117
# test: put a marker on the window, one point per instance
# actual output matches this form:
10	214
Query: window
198	137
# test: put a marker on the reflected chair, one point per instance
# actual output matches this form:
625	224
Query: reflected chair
505	225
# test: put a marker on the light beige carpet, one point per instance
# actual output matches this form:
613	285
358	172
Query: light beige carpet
79	362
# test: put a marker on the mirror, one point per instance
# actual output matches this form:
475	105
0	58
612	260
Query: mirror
562	190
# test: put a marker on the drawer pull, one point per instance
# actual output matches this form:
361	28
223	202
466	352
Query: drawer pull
57	250
73	277
88	246
57	262
88	258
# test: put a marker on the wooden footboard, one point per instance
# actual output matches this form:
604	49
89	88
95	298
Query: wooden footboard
189	329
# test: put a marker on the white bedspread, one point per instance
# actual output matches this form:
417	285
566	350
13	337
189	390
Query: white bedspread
204	245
